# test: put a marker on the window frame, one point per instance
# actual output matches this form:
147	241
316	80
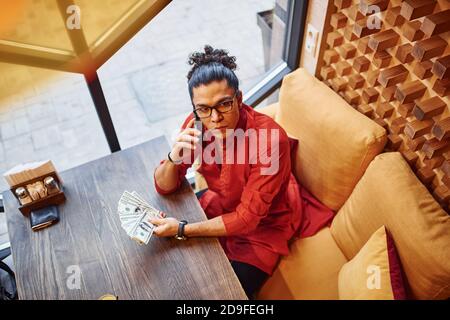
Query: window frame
297	10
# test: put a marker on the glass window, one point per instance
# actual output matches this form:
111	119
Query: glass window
33	22
272	98
98	17
145	81
47	115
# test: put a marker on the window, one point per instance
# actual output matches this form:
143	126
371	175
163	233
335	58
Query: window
50	114
145	82
47	121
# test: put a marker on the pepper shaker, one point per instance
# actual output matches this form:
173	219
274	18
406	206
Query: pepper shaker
51	185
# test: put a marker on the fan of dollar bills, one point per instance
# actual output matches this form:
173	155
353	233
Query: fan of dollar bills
134	213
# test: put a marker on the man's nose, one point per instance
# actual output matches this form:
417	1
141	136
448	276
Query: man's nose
216	116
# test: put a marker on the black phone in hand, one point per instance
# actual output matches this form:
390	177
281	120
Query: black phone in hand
199	126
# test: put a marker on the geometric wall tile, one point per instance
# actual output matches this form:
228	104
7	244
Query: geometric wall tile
398	75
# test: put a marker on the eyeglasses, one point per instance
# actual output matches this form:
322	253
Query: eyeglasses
222	107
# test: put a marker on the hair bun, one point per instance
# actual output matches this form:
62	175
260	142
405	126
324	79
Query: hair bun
211	55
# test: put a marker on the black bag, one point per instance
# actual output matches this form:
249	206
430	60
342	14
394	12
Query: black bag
8	286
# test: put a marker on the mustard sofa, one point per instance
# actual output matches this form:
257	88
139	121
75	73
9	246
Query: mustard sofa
340	160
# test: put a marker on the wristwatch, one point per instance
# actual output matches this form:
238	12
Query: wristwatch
180	235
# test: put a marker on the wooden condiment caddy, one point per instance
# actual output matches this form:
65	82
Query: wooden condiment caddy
51	199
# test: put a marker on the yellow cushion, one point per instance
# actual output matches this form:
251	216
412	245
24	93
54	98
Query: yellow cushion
310	271
390	194
368	275
336	142
270	110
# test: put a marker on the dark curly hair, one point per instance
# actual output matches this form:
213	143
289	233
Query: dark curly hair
211	65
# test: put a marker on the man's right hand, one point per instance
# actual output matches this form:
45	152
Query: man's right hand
185	143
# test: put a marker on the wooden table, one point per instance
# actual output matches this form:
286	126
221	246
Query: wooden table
89	238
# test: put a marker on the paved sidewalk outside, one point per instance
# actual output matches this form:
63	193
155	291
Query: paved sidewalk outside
144	84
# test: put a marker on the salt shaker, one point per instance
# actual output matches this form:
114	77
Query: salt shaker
51	185
23	196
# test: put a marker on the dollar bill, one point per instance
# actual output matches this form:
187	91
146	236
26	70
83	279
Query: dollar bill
135	213
143	231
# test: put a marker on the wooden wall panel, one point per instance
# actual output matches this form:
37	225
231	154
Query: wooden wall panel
318	15
398	75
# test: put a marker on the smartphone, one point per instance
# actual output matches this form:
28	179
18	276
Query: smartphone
199	126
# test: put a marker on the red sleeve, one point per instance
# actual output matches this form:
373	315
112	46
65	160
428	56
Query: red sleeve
258	193
182	168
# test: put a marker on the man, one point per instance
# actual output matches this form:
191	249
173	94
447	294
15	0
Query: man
253	205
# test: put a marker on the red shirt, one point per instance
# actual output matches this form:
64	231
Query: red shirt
261	212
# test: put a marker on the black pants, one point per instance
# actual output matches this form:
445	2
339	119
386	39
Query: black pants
251	277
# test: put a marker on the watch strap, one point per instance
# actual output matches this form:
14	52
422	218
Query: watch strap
180	235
